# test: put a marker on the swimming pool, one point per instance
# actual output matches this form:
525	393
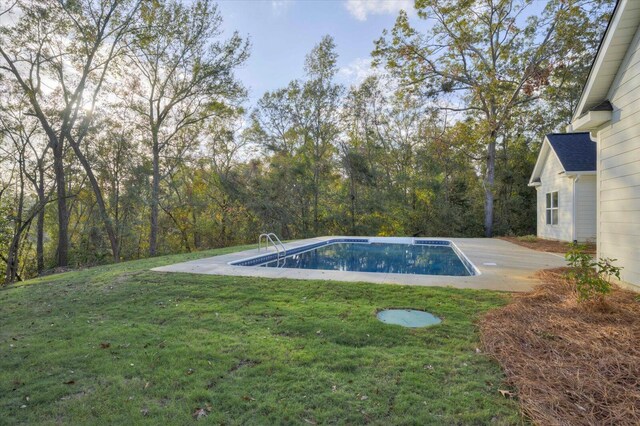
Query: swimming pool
421	257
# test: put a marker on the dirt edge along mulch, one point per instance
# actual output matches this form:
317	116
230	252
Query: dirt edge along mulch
571	363
549	246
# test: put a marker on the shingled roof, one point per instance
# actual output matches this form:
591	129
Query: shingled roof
576	151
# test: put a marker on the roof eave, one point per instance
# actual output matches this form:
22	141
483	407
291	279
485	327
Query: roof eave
592	120
603	55
581	173
542	157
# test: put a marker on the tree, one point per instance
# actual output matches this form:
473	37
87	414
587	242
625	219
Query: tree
117	160
21	137
360	144
279	194
485	58
63	80
225	147
186	76
318	114
300	125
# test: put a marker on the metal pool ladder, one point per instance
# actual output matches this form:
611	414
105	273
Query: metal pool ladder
276	243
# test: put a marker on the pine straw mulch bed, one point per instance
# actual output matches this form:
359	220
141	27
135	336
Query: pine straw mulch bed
571	364
550	246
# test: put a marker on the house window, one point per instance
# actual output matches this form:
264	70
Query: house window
552	208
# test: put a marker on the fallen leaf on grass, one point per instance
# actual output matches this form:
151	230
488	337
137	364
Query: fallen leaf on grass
199	413
105	345
248	398
366	416
73	396
506	393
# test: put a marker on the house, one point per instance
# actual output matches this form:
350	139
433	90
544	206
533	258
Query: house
609	108
565	180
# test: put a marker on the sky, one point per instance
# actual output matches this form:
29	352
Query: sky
282	32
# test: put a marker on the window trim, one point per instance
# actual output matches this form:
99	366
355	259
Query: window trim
551	208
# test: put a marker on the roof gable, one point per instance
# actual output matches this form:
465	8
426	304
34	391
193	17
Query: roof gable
610	56
576	152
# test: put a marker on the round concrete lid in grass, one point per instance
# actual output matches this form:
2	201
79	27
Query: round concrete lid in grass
408	318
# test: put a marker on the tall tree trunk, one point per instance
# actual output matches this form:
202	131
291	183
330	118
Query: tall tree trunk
316	189
12	259
196	234
63	214
488	186
223	223
353	205
155	199
40	223
12	255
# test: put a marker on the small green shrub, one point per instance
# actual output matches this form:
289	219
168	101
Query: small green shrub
528	238
592	277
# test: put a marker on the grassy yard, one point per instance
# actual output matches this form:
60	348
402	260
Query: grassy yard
122	344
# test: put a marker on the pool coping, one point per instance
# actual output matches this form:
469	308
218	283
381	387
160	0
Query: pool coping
502	265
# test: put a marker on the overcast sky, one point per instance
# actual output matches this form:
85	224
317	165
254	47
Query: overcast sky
282	32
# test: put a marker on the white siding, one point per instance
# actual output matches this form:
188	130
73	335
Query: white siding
586	208
619	171
552	179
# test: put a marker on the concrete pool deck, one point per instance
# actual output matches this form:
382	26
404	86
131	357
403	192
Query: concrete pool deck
504	266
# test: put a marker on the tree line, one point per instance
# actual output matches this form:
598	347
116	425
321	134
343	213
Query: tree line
125	133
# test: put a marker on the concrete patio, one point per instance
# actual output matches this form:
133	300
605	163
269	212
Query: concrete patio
504	266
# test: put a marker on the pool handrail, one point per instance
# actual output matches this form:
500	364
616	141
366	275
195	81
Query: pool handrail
269	238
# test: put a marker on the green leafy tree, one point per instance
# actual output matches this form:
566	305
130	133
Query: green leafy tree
63	81
360	151
186	75
485	59
300	125
318	116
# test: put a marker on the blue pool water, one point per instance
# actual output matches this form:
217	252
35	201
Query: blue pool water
379	257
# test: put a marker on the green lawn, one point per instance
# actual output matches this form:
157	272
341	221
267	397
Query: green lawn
122	344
